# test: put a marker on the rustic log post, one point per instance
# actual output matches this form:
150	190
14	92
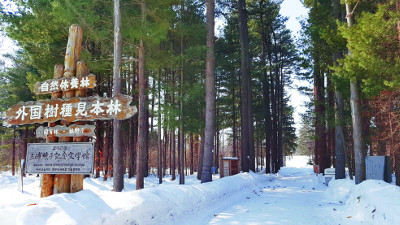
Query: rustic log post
62	182
48	179
77	179
73	51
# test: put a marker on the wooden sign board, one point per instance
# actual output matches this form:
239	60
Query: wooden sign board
71	110
60	158
66	131
65	84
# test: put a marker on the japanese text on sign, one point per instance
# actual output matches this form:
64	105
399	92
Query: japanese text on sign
66	131
65	84
60	158
73	109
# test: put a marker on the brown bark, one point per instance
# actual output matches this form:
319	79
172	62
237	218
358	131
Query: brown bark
182	134
142	118
77	179
246	97
191	153
201	156
106	149
160	152
118	160
196	152
274	137
266	92
179	150
173	149
166	141
13	154
358	140
206	175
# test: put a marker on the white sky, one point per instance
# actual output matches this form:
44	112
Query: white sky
295	11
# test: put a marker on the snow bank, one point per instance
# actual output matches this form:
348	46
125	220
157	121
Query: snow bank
165	204
372	201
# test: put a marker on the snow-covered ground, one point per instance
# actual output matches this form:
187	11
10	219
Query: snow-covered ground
294	196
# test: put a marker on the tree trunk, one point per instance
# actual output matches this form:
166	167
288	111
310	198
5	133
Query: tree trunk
206	175
13	154
153	88
266	92
320	135
179	150
106	140
146	156
142	119
172	151
274	143
201	156
359	148
166	141
25	149
160	155
280	122
191	153
98	149
340	144
331	123
110	149
246	98
182	137
118	157
234	147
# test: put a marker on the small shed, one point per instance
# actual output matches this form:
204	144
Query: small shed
230	166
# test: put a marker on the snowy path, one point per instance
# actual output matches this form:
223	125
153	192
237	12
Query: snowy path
293	197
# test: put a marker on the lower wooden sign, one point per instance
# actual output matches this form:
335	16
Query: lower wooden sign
60	158
66	131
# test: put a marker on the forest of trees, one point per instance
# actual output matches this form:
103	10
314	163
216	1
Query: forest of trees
352	55
202	95
199	95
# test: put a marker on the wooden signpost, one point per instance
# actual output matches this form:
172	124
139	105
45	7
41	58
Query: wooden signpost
63	171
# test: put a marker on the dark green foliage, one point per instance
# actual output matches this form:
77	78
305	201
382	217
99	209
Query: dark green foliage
373	42
174	40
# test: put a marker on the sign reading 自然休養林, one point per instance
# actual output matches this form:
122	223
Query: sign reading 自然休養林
60	158
65	84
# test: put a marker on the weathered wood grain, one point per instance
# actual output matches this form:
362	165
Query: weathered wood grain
73	51
92	108
47	181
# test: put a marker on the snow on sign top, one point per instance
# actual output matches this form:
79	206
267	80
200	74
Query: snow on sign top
65	84
230	158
